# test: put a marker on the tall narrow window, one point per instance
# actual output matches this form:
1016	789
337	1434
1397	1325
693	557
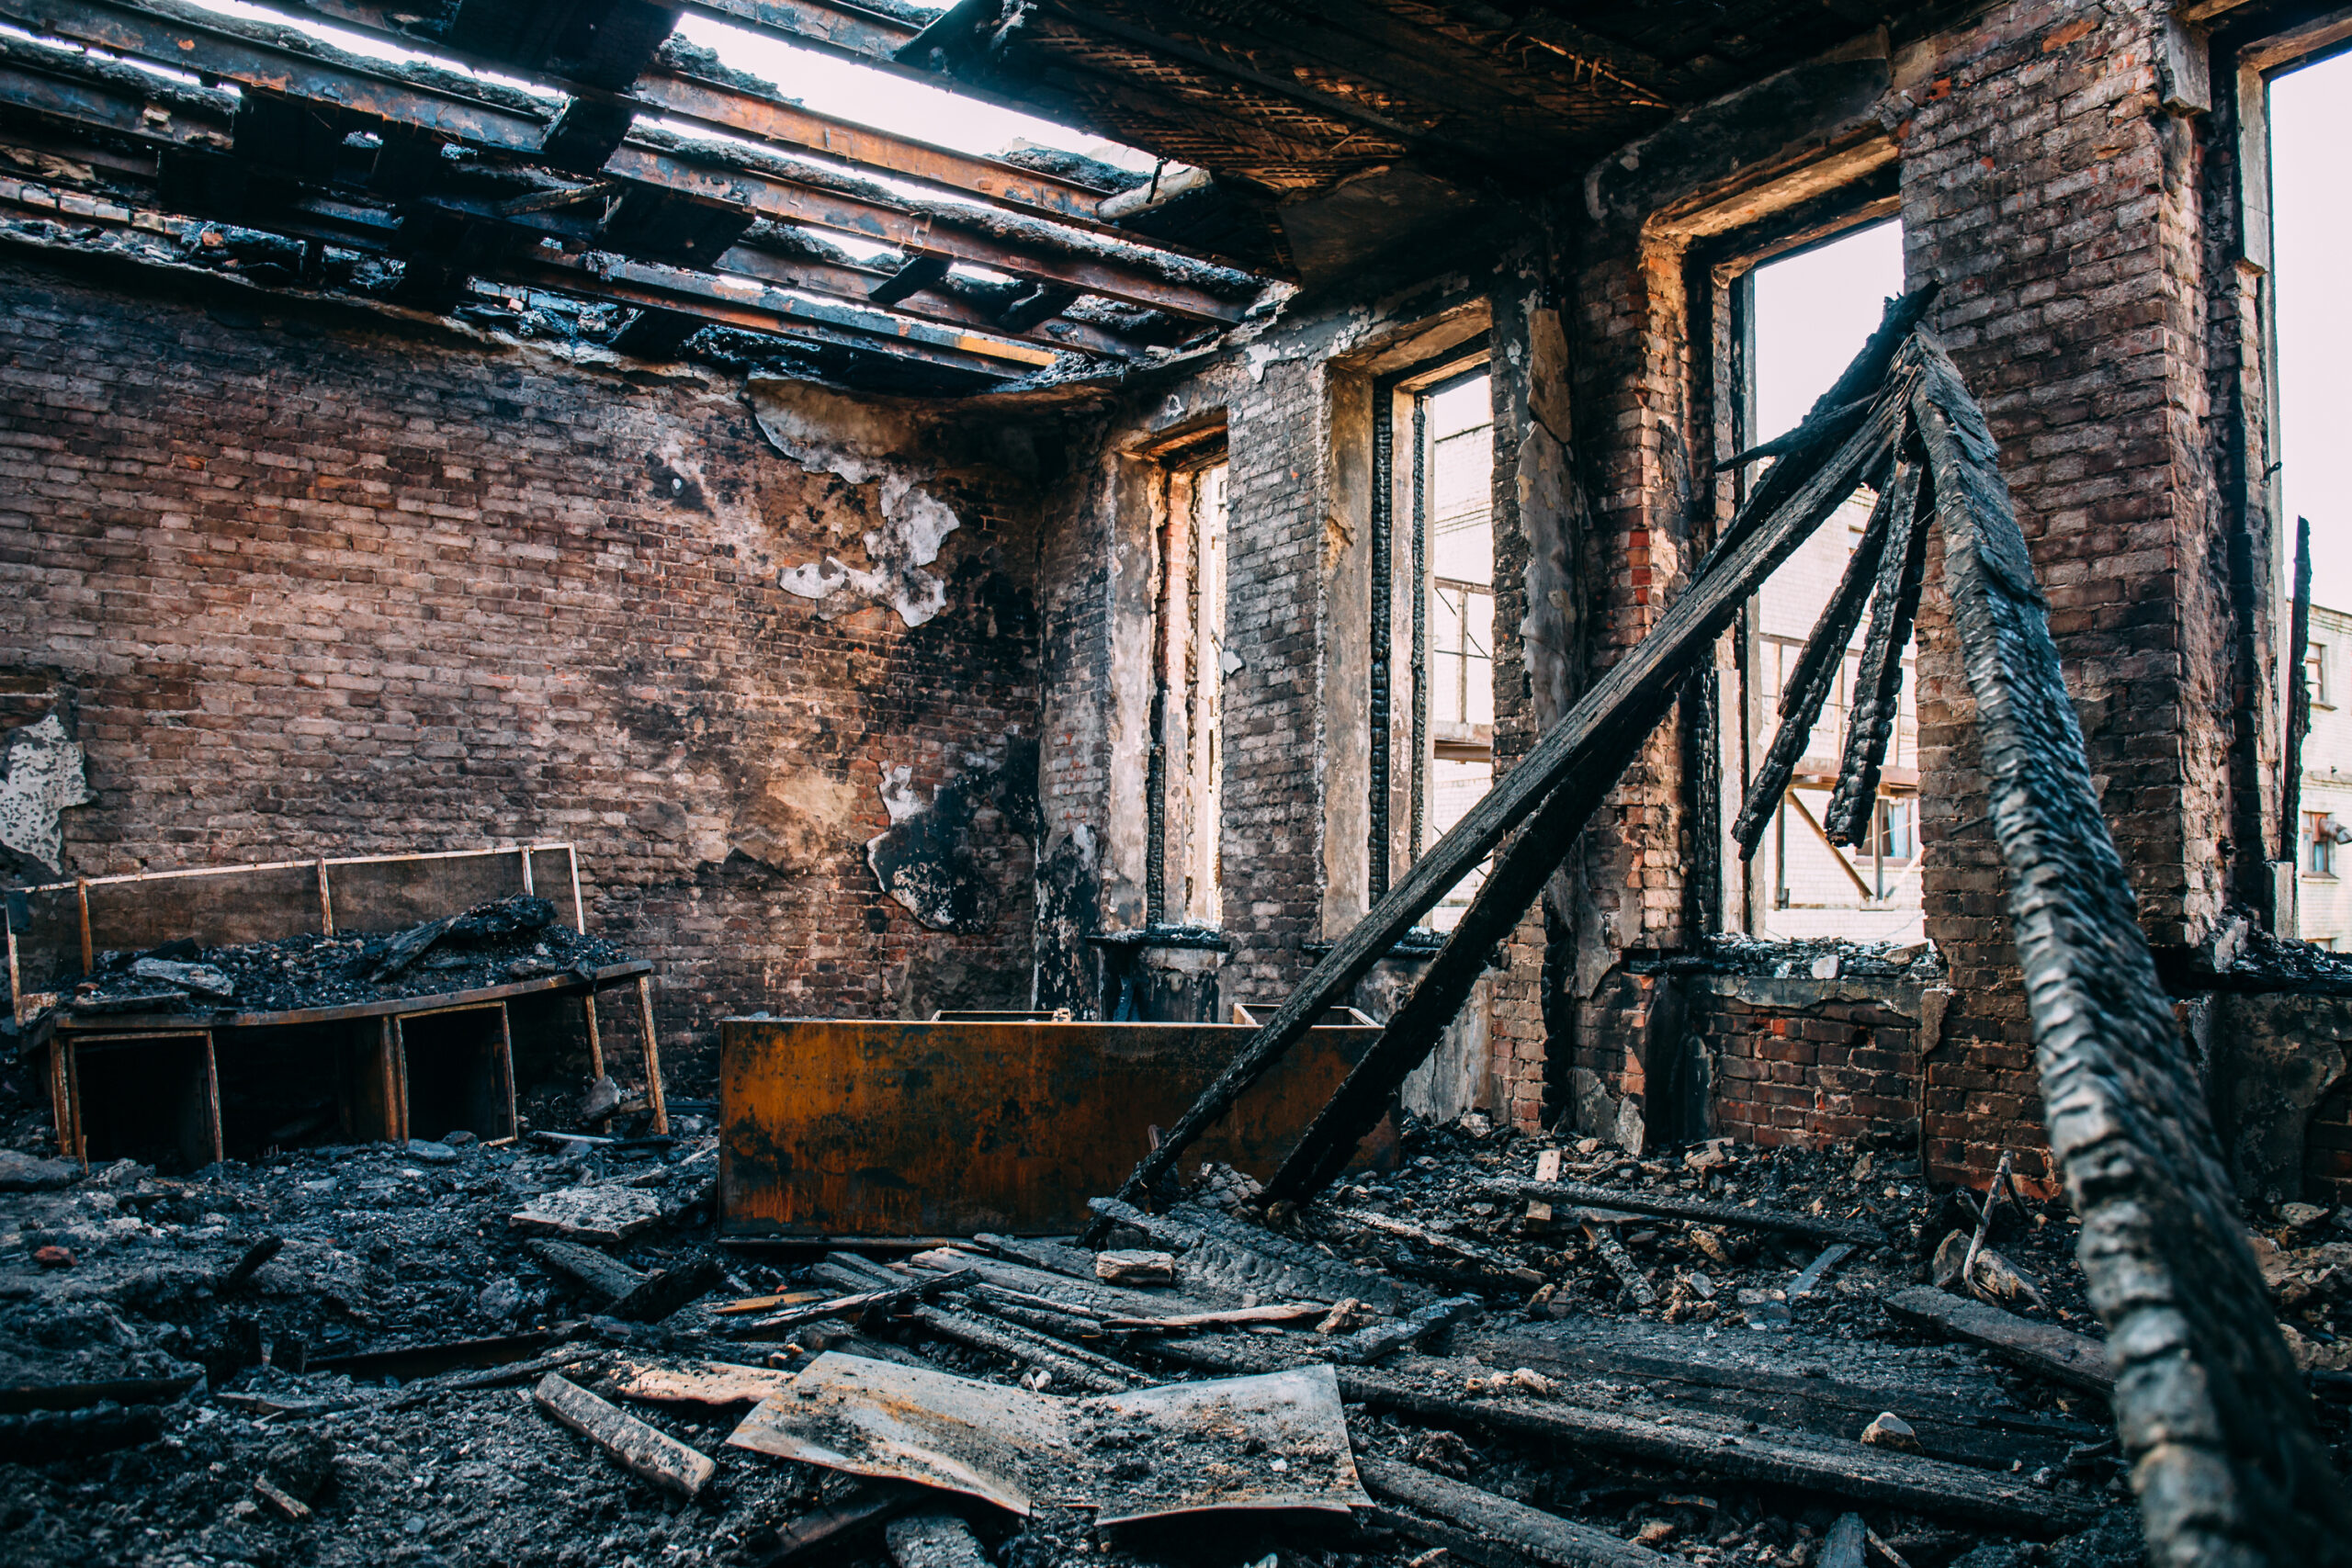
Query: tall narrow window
1805	315
1185	879
1453	676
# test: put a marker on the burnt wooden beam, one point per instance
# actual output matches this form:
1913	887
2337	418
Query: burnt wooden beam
1809	681
1604	731
2299	702
1041	304
190	40
1566	775
840	212
2227	1460
856	32
1878	683
1127	272
917	273
760	308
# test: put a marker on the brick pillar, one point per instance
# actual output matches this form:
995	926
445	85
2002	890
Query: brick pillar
2058	203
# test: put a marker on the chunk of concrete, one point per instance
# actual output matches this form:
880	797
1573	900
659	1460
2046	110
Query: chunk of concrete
606	1214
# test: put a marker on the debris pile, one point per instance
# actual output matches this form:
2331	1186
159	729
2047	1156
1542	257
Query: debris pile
1506	1349
491	944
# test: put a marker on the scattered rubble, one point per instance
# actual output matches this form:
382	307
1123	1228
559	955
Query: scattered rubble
411	1374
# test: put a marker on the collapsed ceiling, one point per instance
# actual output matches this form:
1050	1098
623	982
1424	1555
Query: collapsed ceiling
585	170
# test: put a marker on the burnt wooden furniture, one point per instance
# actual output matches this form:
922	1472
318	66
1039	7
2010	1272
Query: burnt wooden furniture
194	1085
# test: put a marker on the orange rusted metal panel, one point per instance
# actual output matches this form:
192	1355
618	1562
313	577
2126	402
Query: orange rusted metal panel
839	1127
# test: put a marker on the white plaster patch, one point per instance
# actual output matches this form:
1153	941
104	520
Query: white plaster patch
44	777
828	433
898	797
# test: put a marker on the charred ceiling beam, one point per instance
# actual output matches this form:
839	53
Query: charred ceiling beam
676	85
976	40
291	67
858	32
756	307
78	96
190	39
939	230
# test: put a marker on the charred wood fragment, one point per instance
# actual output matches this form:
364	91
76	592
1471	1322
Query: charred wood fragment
1878	686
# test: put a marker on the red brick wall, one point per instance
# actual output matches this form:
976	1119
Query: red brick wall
2327	1148
1832	1073
2058	204
319	585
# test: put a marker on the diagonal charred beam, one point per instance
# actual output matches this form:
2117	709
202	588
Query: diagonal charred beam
1614	715
1604	731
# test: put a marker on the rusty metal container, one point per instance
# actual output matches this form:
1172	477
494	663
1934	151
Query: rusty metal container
835	1127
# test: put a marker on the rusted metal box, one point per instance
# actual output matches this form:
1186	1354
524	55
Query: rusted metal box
834	1127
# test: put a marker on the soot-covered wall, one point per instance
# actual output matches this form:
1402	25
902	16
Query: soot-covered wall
322	585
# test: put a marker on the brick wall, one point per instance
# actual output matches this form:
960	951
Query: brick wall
1828	1072
2058	205
315	585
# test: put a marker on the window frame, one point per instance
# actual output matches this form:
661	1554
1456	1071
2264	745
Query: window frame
1410	386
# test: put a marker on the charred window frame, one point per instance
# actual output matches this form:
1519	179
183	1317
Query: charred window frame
1400	535
1722	730
2223	78
1183	786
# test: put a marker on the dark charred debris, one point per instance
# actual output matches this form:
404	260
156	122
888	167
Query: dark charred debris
343	1355
491	944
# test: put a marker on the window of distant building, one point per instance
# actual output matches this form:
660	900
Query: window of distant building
2319	844
2315	674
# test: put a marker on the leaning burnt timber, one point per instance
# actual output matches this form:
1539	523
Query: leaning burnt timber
2227	1461
1842	442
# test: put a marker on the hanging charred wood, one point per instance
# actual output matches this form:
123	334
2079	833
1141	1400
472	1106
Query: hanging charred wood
2298	699
1807	686
1878	686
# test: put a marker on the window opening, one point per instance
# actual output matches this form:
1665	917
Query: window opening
1453	665
2309	122
1185	882
1806	314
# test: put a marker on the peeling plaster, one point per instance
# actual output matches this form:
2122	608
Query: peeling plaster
44	777
826	433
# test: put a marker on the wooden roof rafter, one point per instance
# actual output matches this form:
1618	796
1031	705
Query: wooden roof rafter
553	222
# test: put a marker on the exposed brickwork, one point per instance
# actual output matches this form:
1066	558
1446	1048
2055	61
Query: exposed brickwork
2057	203
2327	1148
319	588
1833	1073
1635	426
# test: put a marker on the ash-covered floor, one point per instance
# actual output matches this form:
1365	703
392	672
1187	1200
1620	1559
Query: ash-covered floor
125	1275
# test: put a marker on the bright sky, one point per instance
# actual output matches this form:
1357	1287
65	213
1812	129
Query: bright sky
1812	313
2310	129
849	91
